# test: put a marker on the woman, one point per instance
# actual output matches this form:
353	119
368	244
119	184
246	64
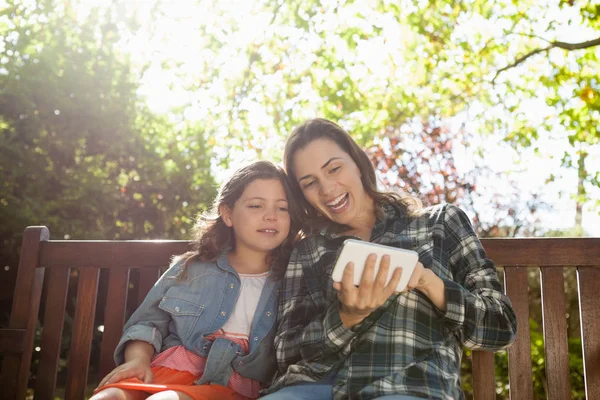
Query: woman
336	340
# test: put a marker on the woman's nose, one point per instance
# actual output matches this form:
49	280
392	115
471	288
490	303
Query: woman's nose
327	188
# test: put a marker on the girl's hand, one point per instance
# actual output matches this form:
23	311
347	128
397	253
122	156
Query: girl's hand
137	368
356	303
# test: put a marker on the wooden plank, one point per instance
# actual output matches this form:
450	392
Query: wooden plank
512	251
588	283
556	346
12	341
54	317
116	254
114	317
148	278
484	380
25	307
83	325
519	354
543	251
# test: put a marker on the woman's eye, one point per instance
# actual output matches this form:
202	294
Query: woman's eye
254	206
309	184
284	209
335	169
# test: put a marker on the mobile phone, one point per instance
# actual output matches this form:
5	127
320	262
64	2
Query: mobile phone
357	251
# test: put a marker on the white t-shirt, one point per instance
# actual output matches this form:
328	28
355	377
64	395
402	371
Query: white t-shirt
240	322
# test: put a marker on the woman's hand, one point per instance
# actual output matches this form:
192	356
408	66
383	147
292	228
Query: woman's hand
136	368
356	303
428	283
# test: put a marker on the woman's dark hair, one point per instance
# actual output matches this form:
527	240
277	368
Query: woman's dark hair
320	128
211	235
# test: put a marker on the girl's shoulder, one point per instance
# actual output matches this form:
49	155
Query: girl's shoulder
193	268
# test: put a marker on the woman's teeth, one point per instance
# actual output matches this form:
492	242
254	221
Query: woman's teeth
338	202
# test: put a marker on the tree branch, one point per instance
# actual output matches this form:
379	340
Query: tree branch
560	45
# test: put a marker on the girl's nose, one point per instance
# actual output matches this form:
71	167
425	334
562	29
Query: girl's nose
270	214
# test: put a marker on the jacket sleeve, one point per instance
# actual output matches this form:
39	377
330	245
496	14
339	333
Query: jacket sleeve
149	323
306	331
476	306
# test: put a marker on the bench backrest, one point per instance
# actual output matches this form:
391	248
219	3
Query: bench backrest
55	261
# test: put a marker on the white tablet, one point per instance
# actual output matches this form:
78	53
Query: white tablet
357	251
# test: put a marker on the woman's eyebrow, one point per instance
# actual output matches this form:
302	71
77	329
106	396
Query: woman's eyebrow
322	166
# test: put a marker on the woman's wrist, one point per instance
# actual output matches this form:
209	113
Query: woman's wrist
433	287
349	320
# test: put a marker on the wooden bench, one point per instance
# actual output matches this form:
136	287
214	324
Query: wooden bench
50	263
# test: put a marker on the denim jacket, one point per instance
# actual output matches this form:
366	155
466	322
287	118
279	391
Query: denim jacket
185	313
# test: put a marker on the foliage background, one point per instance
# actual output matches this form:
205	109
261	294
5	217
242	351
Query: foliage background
118	119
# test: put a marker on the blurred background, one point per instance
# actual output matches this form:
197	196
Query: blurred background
119	119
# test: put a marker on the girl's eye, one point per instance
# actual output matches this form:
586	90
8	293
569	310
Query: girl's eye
335	169
254	206
309	184
284	209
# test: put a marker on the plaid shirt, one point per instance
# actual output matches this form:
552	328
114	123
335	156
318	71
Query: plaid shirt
406	346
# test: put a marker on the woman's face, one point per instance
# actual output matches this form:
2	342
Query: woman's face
330	181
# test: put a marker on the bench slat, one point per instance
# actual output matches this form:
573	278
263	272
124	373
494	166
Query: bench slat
556	346
519	354
544	252
521	251
83	325
12	341
114	317
24	313
484	380
116	254
588	282
54	318
147	279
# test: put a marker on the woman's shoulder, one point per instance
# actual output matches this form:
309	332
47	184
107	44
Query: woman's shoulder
440	213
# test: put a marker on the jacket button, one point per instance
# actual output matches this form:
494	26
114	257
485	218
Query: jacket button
255	338
176	309
223	313
231	286
268	313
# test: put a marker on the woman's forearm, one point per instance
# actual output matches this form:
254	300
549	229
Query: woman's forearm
138	349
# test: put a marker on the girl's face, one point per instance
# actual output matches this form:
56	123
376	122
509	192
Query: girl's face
330	181
260	217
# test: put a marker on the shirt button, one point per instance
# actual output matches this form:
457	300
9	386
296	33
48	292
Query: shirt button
223	313
231	286
165	297
176	309
268	313
255	338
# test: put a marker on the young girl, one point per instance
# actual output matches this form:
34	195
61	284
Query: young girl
206	328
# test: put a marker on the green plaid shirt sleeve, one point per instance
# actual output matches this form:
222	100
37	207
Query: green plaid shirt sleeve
476	308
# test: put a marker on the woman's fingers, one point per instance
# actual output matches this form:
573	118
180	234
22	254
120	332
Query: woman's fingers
393	284
382	274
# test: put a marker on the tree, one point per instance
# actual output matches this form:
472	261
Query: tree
79	152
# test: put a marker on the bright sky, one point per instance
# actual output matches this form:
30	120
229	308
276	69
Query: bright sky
175	37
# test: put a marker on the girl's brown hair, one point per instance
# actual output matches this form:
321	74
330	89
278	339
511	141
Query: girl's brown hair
211	235
320	128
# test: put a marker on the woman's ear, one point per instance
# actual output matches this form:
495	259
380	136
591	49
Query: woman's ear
225	213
